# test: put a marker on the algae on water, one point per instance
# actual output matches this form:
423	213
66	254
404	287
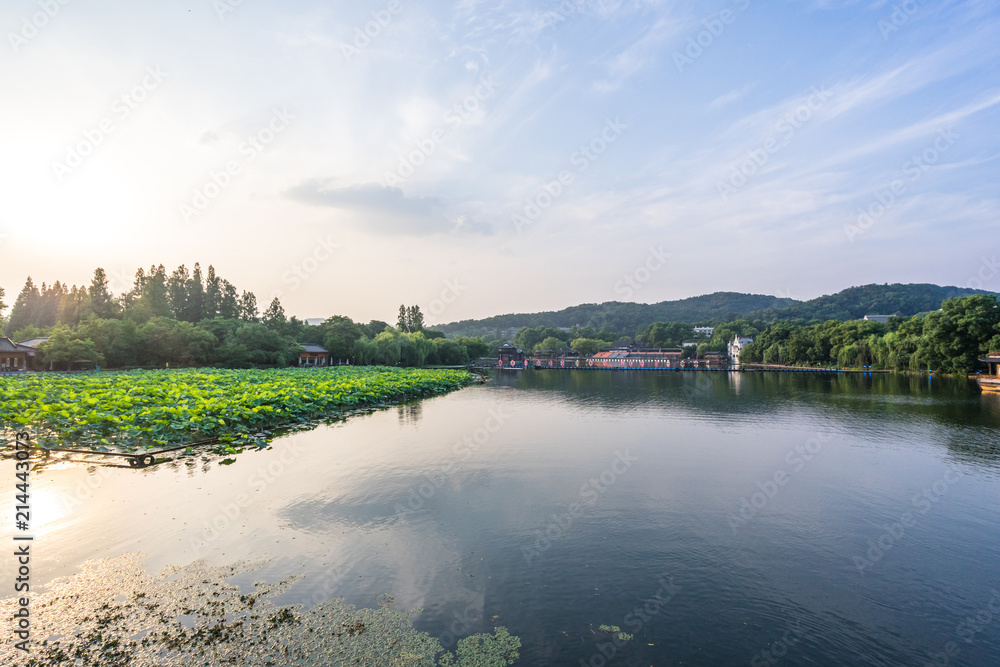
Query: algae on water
114	613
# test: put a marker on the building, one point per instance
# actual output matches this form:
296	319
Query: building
705	331
716	360
510	356
881	319
737	346
990	380
313	355
14	356
637	358
992	364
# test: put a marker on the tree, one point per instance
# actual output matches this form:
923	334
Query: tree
551	343
194	311
388	345
265	345
374	328
415	319
3	307
229	301
475	347
156	296
102	303
666	334
129	299
24	312
213	294
449	352
72	306
248	307
410	320
274	316
414	349
366	352
65	347
587	347
117	341
177	296
955	336
339	334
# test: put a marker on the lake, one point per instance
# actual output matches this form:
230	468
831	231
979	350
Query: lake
715	518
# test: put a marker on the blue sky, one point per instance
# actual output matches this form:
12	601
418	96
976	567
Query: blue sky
477	158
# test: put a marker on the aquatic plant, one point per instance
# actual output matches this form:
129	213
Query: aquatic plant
132	410
115	613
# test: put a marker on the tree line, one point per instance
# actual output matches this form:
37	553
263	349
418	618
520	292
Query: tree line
951	340
187	318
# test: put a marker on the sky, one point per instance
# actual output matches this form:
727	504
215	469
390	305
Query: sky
477	158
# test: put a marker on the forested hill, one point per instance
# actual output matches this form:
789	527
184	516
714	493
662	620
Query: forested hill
854	303
629	318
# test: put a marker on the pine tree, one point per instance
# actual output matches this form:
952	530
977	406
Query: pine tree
155	295
24	312
248	307
195	296
72	305
213	295
101	301
274	316
229	302
177	296
403	321
415	319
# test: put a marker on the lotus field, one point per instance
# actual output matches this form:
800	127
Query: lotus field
136	410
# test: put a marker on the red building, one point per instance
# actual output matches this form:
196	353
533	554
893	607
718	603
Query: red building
313	355
14	357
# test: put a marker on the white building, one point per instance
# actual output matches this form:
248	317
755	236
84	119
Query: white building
737	346
704	331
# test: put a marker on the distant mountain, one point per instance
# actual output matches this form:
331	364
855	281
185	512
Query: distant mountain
854	303
903	300
627	318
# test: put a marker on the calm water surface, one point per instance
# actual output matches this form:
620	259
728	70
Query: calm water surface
756	518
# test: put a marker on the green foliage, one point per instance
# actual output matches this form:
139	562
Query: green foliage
339	334
950	340
66	347
449	353
587	346
529	339
365	351
631	318
410	320
552	343
854	303
389	347
144	408
627	318
414	349
476	347
666	334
